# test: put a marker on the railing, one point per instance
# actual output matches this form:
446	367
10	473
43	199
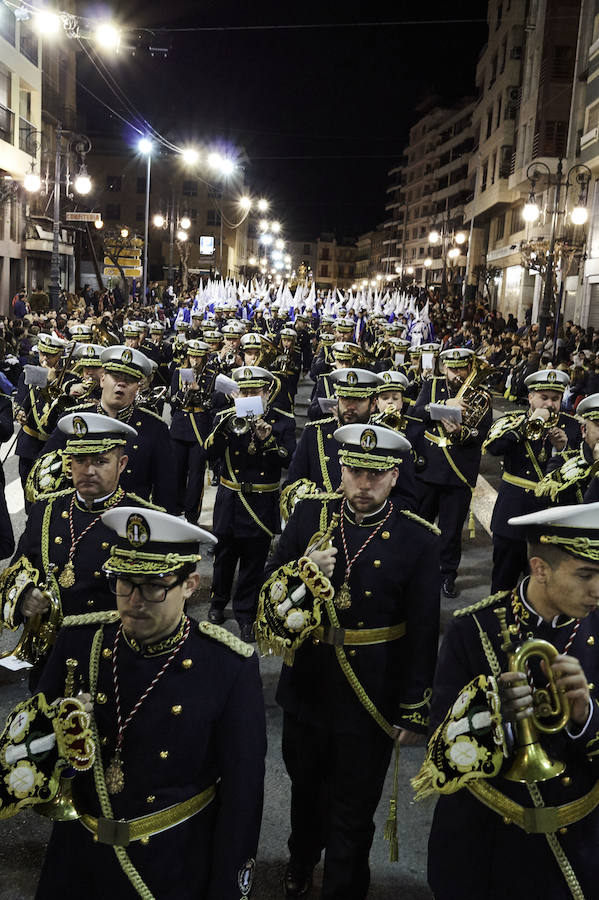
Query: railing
26	129
7	119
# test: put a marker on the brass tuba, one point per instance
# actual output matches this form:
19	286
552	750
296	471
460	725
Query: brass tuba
470	393
531	763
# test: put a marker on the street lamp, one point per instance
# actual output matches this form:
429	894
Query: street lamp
262	205
434	237
83	183
245	203
158	221
190	156
182	235
146	146
108	36
578	216
185	222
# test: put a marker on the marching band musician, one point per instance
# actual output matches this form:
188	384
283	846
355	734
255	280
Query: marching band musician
343	354
509	794
191	424
146	473
246	510
526	441
571	472
65	543
229	356
81	383
452	453
33	402
172	806
316	456
378	637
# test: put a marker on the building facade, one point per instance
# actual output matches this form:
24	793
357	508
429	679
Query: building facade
427	194
20	115
522	124
212	245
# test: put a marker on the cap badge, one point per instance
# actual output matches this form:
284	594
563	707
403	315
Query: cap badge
456	354
552	376
89	350
138	530
387	377
368	440
351	378
247	373
126	355
79	426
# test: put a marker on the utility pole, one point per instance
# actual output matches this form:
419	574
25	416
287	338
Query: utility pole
55	262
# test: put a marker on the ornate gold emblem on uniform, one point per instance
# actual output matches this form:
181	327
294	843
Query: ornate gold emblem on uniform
79	426
138	531
126	355
66	578
386	377
115	779
368	440
343	597
351	378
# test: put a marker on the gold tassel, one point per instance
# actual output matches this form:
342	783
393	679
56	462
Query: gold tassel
391	823
423	782
471	524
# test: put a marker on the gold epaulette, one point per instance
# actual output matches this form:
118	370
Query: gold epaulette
55	494
225	637
144	502
501	426
103	617
283	412
321	421
150	412
482	604
416	518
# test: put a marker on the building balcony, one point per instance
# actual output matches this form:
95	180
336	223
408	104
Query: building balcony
26	142
490	201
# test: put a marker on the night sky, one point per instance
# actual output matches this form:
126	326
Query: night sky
322	113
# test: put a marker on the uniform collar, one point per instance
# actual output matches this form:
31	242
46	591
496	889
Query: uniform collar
100	504
370	521
529	615
159	648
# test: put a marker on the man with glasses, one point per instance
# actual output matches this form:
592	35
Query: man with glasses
65	543
172	806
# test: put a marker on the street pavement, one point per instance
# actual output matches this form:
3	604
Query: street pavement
22	838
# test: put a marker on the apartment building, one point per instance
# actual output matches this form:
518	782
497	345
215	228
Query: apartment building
585	128
335	262
371	261
428	192
20	115
176	193
524	81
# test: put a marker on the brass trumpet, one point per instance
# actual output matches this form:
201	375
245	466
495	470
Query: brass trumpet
531	762
534	428
391	417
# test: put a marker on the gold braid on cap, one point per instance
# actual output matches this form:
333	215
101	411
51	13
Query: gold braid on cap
121	367
344	390
367	460
583	547
91	447
556	385
592	415
133	562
